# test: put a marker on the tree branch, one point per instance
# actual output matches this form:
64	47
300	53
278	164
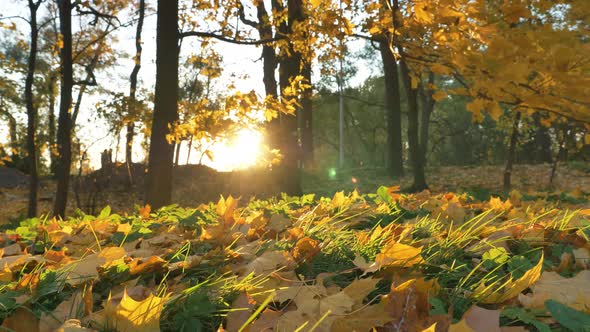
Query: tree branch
243	18
230	40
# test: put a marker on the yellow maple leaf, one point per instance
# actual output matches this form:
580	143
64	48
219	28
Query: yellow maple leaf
498	293
315	3
5	274
131	315
364	319
375	30
422	12
399	255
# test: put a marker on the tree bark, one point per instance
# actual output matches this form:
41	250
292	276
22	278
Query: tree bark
413	132
511	152
32	113
269	57
161	154
132	91
290	61
307	118
84	86
51	124
64	143
395	163
427	109
190	147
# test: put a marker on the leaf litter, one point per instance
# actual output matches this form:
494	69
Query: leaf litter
385	262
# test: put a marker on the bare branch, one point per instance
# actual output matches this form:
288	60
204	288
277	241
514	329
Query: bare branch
231	40
243	18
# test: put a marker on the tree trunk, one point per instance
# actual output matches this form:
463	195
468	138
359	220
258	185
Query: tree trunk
190	147
64	143
84	86
32	113
161	154
307	119
413	132
395	163
511	152
51	125
269	58
542	142
427	109
290	62
132	91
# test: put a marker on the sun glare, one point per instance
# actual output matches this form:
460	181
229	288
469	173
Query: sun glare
241	152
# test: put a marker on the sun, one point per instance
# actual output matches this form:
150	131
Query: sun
242	151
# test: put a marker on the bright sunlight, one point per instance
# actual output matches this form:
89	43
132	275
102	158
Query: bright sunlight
242	151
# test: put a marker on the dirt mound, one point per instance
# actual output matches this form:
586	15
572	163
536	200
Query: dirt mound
10	178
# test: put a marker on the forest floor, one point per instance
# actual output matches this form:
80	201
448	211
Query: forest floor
195	185
475	260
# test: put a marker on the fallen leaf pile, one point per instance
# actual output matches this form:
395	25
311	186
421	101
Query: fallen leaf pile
384	261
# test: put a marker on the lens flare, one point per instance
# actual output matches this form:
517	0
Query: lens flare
241	152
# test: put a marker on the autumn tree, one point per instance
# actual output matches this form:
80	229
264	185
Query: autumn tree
392	103
64	131
161	154
69	111
133	88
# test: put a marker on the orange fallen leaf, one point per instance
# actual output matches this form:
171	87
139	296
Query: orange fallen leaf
151	264
305	249
145	211
22	319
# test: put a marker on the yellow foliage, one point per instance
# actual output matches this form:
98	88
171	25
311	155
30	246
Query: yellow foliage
399	255
501	292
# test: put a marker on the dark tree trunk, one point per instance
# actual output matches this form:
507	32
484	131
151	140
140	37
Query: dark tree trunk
395	163
87	81
307	119
511	152
132	91
51	125
413	132
290	62
269	58
64	138
542	142
561	153
427	109
161	154
32	113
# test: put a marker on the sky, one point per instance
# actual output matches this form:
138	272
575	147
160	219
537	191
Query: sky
242	68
